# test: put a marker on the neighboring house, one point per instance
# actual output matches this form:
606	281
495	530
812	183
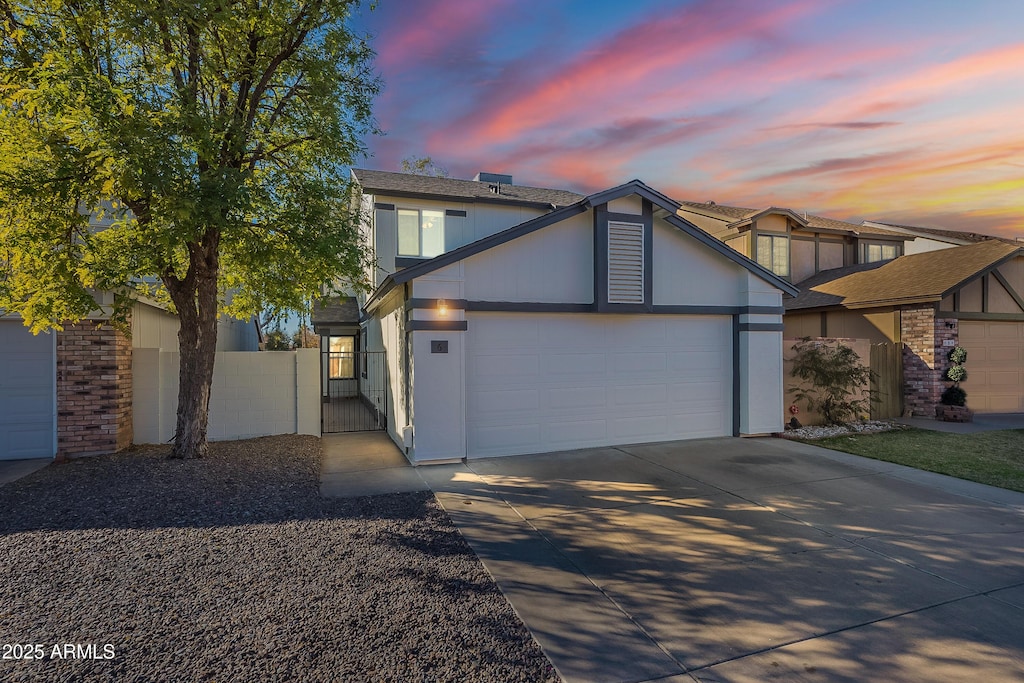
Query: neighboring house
795	245
931	239
969	295
890	283
70	393
522	320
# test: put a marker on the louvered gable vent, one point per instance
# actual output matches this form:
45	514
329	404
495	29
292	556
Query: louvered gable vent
625	263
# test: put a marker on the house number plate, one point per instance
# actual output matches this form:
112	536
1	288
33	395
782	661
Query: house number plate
438	346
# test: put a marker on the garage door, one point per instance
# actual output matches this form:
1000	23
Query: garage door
546	382
26	393
995	366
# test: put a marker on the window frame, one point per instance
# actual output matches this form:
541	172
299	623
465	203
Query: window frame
440	215
339	362
772	237
865	251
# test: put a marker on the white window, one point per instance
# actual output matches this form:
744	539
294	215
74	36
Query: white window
625	263
870	253
342	357
773	253
420	233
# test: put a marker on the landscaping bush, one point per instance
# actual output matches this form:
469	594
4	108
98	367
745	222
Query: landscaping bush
837	379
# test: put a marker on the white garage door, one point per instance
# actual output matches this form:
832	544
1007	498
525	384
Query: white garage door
995	366
546	382
26	393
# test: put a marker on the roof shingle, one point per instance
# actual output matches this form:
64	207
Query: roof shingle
385	182
739	213
918	277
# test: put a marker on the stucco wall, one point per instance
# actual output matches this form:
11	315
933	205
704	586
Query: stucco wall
862	347
253	394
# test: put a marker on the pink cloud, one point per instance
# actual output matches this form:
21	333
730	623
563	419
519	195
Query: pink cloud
685	38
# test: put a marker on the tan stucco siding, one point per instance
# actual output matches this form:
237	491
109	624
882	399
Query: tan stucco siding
801	259
830	255
772	223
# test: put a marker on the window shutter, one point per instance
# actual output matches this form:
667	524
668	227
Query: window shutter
625	263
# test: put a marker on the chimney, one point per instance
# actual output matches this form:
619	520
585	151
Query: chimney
493	178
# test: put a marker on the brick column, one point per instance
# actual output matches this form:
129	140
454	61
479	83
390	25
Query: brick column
924	357
94	390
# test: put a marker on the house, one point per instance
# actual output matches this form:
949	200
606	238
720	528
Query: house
515	320
930	239
968	295
922	288
795	245
70	393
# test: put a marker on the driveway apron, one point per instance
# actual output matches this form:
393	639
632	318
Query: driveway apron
748	560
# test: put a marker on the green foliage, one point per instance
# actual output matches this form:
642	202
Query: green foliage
956	373
277	340
954	396
210	138
423	166
836	378
194	148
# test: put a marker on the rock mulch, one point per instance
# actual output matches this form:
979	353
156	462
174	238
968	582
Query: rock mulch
825	431
234	569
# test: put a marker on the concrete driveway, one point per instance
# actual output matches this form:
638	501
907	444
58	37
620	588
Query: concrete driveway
748	560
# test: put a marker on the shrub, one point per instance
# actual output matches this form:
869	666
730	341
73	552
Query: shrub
958	355
956	373
954	396
836	377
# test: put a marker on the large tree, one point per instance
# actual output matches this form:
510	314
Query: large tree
210	137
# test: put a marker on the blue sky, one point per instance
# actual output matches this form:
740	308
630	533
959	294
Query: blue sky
903	111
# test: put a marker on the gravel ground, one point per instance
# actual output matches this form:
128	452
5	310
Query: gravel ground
825	431
234	569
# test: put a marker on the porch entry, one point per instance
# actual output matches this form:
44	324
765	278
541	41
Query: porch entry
352	388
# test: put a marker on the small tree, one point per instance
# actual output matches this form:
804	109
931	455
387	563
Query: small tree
277	340
214	135
955	373
836	377
423	166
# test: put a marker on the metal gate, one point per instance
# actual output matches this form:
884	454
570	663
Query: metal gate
353	391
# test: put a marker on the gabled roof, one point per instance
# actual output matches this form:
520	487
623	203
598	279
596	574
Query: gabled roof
740	217
338	310
955	235
412	185
636	187
916	278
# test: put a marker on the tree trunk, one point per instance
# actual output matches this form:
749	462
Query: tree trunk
195	297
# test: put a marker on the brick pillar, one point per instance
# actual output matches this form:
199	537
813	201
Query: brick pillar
94	390
924	357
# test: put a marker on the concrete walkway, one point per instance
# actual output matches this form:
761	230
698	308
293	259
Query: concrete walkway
365	464
983	422
748	560
12	470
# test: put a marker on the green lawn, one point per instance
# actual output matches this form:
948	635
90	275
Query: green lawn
995	458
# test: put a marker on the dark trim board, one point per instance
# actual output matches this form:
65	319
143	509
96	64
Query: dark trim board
991	317
382	206
576	307
761	327
736	383
1009	288
430	304
437	325
528	307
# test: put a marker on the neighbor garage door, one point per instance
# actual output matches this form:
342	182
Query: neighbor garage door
26	393
546	382
995	366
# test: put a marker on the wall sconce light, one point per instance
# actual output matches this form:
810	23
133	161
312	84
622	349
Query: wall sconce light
442	307
950	324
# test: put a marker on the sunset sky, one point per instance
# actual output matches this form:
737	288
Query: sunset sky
898	110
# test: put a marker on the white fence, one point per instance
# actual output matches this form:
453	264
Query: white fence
255	393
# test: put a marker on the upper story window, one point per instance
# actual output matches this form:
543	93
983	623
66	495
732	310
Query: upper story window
870	253
773	253
420	232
